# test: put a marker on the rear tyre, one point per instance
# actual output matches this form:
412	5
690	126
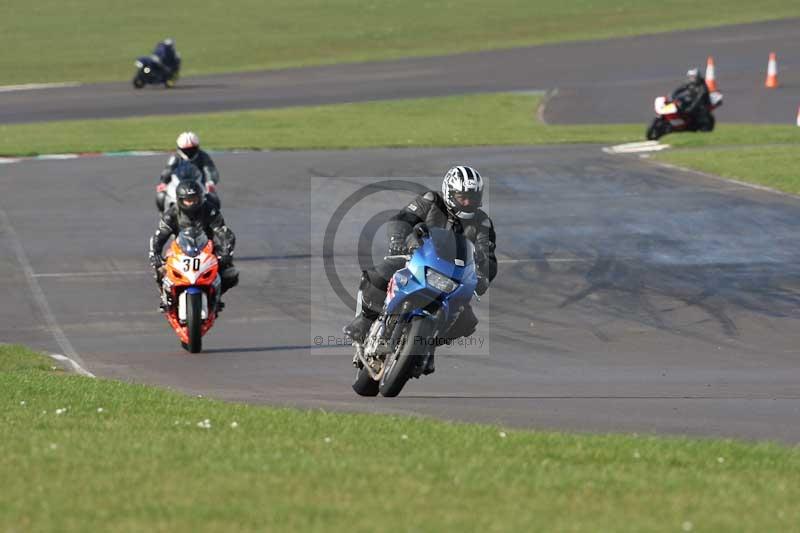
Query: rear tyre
138	82
364	385
194	320
401	364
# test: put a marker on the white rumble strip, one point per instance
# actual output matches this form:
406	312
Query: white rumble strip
37	86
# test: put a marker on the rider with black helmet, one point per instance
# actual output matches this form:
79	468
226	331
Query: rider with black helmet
457	208
192	209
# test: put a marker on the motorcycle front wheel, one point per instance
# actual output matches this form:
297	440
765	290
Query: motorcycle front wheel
138	81
194	321
658	128
410	350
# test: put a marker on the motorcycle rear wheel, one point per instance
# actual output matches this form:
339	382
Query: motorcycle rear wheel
194	321
402	362
364	385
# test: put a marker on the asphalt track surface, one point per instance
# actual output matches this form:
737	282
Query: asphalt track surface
597	82
630	297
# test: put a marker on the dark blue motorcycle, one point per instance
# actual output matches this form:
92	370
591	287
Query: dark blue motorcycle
424	299
150	71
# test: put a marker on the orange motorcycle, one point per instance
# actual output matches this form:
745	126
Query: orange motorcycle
191	283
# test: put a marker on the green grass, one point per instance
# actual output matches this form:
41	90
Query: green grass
759	154
142	463
756	153
89	40
771	166
492	119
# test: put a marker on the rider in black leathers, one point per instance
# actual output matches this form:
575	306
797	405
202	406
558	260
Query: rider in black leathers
693	99
189	150
456	208
168	57
192	209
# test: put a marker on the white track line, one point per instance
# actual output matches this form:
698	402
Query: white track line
92	274
75	366
56	157
37	86
636	148
541	260
37	293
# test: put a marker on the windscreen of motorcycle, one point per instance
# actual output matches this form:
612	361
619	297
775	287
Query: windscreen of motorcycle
192	241
452	247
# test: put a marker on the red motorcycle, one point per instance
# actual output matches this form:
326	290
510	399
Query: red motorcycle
192	284
670	118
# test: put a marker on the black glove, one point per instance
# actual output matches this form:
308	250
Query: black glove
225	261
397	245
156	261
483	285
413	242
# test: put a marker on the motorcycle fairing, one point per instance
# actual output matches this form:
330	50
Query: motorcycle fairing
450	255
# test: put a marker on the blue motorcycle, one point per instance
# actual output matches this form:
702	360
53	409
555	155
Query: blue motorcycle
150	70
423	300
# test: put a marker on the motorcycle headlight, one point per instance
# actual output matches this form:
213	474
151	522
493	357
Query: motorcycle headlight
440	281
146	70
401	279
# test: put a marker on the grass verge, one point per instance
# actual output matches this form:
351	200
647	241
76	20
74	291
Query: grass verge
91	40
80	454
763	155
486	119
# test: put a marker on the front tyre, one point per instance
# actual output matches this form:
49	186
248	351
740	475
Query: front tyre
194	321
138	81
364	385
653	132
658	129
400	365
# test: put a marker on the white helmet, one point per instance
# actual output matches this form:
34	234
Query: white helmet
462	191
188	145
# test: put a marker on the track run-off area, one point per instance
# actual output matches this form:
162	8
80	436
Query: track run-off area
631	297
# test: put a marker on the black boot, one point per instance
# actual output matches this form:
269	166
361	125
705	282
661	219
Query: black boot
367	306
430	366
358	328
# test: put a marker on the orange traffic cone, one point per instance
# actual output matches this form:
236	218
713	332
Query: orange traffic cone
772	72
711	79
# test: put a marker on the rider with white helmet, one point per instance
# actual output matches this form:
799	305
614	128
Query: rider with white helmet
458	208
188	144
693	99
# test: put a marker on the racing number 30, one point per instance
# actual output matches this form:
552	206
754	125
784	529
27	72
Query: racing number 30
191	264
